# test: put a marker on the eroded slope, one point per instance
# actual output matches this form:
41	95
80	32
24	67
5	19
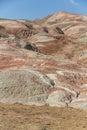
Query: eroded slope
49	54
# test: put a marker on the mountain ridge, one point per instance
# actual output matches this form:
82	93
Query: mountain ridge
54	51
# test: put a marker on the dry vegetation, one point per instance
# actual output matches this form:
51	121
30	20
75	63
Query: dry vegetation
22	117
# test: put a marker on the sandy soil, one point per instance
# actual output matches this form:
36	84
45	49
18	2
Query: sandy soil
23	117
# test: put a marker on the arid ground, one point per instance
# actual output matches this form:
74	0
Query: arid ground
24	117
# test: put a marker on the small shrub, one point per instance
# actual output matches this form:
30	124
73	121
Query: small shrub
44	128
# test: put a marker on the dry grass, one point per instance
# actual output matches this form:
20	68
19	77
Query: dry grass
22	117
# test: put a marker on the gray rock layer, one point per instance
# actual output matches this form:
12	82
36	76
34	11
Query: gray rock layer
24	86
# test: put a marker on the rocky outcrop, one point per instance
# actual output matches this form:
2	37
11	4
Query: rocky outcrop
24	85
44	61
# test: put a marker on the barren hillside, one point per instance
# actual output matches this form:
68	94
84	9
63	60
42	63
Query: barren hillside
43	73
44	61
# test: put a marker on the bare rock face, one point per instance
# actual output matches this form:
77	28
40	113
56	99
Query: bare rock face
59	98
44	61
25	86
